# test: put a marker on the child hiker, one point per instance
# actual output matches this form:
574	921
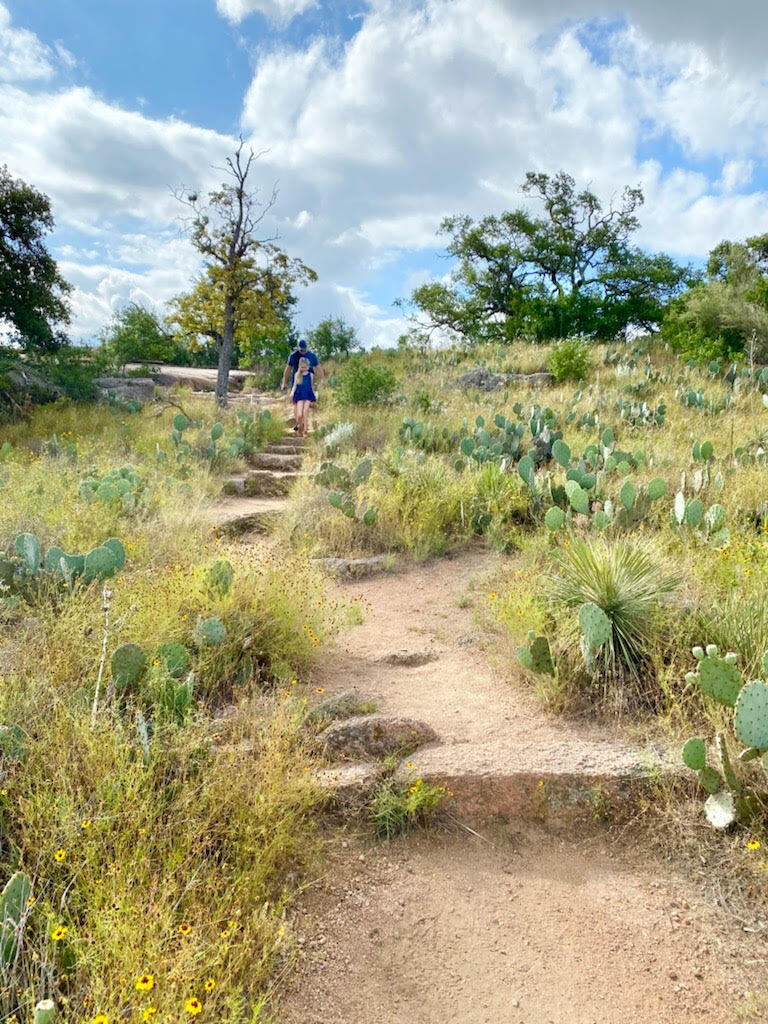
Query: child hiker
303	397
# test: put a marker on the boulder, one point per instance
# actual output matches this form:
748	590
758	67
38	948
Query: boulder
375	737
139	389
482	380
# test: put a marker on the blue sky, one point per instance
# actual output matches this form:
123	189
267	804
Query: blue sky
379	118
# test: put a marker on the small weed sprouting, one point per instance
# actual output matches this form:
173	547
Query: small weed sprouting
398	808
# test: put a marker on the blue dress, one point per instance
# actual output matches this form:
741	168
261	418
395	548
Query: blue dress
304	392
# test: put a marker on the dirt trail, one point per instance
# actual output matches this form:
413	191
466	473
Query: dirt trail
543	926
533	930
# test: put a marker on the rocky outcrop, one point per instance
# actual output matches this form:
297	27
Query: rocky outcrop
486	380
127	389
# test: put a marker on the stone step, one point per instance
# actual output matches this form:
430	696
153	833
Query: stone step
283	448
262	482
551	780
236	515
269	460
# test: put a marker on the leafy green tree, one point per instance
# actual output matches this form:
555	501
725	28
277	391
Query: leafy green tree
572	270
137	334
333	339
245	278
725	315
32	292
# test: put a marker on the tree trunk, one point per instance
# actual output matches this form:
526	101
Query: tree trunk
226	347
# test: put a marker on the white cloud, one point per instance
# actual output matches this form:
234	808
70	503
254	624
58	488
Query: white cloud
276	10
22	56
431	108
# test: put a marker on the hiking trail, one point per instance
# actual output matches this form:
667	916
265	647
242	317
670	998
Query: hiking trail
524	911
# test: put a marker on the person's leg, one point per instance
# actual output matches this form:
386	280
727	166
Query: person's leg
308	417
301	414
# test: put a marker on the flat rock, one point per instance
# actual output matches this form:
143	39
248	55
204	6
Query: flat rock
539	781
407	659
375	736
351	785
238	514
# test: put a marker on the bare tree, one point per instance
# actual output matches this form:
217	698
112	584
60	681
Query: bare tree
244	275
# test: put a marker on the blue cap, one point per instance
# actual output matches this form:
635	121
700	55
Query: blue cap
302	344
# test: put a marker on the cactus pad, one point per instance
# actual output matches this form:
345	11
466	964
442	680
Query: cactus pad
657	488
13	903
220	576
128	665
117	549
716	516
175	658
541	656
99	563
216	431
28	546
720	809
561	453
212	631
555	518
595	626
627	495
695	754
710	780
694	511
180	422
525	468
719	678
577	496
750	717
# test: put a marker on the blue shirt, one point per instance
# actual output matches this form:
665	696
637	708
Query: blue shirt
293	362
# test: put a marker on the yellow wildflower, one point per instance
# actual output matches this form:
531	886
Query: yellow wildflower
193	1006
145	983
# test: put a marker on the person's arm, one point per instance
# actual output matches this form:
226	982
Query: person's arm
286	374
319	374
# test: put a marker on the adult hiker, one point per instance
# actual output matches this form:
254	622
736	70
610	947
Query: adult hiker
316	375
301	352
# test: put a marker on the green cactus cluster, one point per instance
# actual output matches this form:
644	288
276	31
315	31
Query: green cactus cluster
341	484
711	523
119	488
537	656
638	413
27	570
426	436
732	796
696	399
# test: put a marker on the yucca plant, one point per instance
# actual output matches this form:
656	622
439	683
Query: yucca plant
626	579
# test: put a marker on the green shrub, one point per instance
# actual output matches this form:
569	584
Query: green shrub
625	579
361	383
398	808
569	360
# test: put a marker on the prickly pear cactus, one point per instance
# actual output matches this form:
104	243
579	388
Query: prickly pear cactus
537	657
128	665
554	519
220	577
212	631
750	716
28	546
695	754
716	677
175	659
595	626
13	903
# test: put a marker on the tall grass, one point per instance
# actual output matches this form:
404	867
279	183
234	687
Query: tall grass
172	848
